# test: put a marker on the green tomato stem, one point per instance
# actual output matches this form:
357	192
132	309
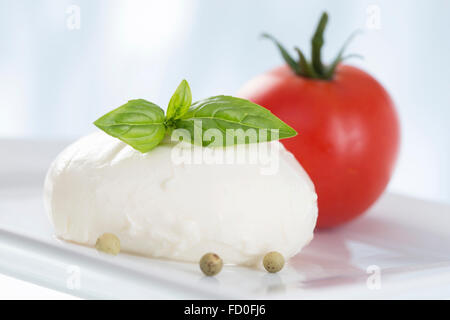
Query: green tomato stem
317	44
314	69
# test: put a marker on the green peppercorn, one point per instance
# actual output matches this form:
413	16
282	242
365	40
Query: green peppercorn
273	262
108	243
211	264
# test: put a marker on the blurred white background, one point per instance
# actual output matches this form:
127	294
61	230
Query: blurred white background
56	79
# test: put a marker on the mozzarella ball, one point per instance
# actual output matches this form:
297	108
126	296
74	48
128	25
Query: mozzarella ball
163	207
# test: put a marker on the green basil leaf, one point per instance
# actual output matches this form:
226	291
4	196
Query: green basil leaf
138	123
180	102
226	112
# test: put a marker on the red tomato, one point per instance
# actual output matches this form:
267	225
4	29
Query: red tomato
348	134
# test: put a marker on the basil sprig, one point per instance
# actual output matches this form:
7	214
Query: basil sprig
143	125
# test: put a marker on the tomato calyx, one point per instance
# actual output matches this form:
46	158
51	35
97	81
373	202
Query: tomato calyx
314	69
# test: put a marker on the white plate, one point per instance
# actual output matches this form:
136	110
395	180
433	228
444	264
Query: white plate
400	249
